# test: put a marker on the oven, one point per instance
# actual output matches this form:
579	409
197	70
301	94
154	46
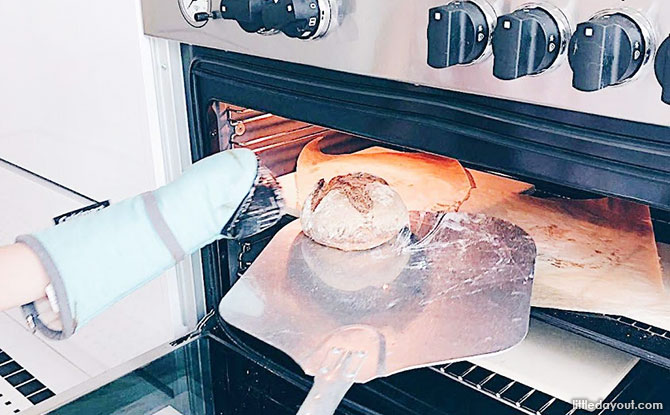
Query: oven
272	76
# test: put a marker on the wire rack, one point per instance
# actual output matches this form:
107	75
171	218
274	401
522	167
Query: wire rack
504	389
653	331
639	339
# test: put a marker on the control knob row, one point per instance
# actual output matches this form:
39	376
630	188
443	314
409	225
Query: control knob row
527	41
606	50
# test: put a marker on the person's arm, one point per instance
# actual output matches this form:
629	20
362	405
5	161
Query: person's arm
90	262
23	279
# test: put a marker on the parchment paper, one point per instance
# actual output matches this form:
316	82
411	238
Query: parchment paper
595	256
447	180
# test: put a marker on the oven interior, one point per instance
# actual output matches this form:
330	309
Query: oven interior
451	388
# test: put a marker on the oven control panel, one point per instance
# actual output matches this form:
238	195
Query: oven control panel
608	49
604	57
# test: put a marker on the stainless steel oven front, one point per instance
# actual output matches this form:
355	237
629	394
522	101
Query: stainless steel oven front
388	39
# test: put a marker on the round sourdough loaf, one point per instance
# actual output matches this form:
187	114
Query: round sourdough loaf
353	212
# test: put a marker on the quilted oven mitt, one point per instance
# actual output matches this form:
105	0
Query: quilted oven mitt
95	260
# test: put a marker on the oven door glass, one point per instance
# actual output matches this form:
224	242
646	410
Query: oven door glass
211	376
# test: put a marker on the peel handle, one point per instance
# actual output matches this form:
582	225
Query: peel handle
337	372
325	395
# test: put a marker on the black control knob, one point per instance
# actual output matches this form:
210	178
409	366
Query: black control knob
606	50
303	19
662	68
247	13
458	34
525	42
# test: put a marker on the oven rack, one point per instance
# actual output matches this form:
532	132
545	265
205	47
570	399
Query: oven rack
639	339
534	402
640	382
504	389
22	382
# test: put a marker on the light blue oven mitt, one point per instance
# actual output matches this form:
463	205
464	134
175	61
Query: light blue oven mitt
95	260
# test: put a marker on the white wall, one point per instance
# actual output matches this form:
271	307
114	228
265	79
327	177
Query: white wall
78	106
76	95
138	323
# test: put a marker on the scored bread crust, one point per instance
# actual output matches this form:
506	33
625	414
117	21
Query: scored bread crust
353	186
353	212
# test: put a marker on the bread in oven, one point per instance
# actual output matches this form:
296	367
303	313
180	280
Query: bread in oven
353	212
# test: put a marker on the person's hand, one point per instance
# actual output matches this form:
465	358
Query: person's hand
95	260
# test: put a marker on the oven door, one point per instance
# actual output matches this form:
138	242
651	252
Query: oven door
211	375
207	376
